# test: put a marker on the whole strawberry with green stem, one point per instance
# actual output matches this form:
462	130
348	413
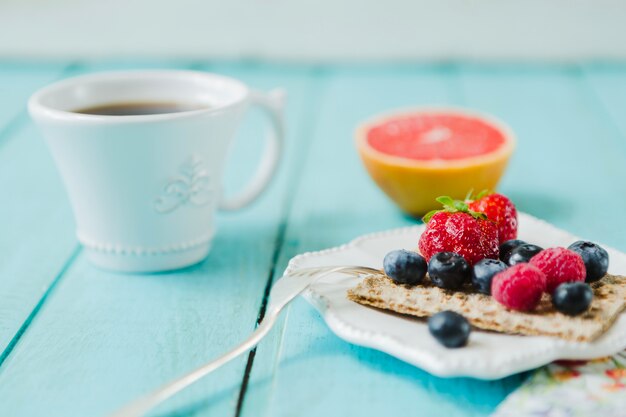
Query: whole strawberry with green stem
499	209
457	228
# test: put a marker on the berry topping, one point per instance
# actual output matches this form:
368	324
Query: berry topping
405	267
520	287
596	259
560	265
572	298
523	253
458	229
448	270
499	209
449	328
484	271
507	247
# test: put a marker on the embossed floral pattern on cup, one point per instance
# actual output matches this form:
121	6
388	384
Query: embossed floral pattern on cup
192	185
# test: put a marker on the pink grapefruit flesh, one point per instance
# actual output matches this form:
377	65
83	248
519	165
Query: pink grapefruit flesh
435	136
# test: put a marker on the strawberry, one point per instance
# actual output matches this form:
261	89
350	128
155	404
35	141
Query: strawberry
458	229
500	209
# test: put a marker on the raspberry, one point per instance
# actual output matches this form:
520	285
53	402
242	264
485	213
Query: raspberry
520	287
560	265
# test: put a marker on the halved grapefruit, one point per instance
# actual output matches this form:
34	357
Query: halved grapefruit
416	156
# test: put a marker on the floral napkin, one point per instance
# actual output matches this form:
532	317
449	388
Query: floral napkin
571	389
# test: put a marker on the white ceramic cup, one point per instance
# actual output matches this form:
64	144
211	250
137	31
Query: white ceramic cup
144	188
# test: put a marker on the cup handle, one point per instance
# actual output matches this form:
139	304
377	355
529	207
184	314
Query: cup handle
272	104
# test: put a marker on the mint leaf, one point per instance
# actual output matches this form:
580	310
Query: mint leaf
429	215
447	201
482	194
460	206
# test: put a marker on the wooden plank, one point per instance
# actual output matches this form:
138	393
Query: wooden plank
96	344
568	165
34	214
102	339
302	369
607	83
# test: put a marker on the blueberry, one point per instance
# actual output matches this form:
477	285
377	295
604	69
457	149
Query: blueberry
523	253
572	298
596	259
448	270
449	328
405	267
484	271
507	247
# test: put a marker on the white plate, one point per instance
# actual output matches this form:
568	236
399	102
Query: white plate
487	356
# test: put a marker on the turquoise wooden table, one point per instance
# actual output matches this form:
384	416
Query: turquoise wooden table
78	341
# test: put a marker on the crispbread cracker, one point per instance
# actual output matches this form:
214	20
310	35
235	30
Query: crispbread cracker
484	312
